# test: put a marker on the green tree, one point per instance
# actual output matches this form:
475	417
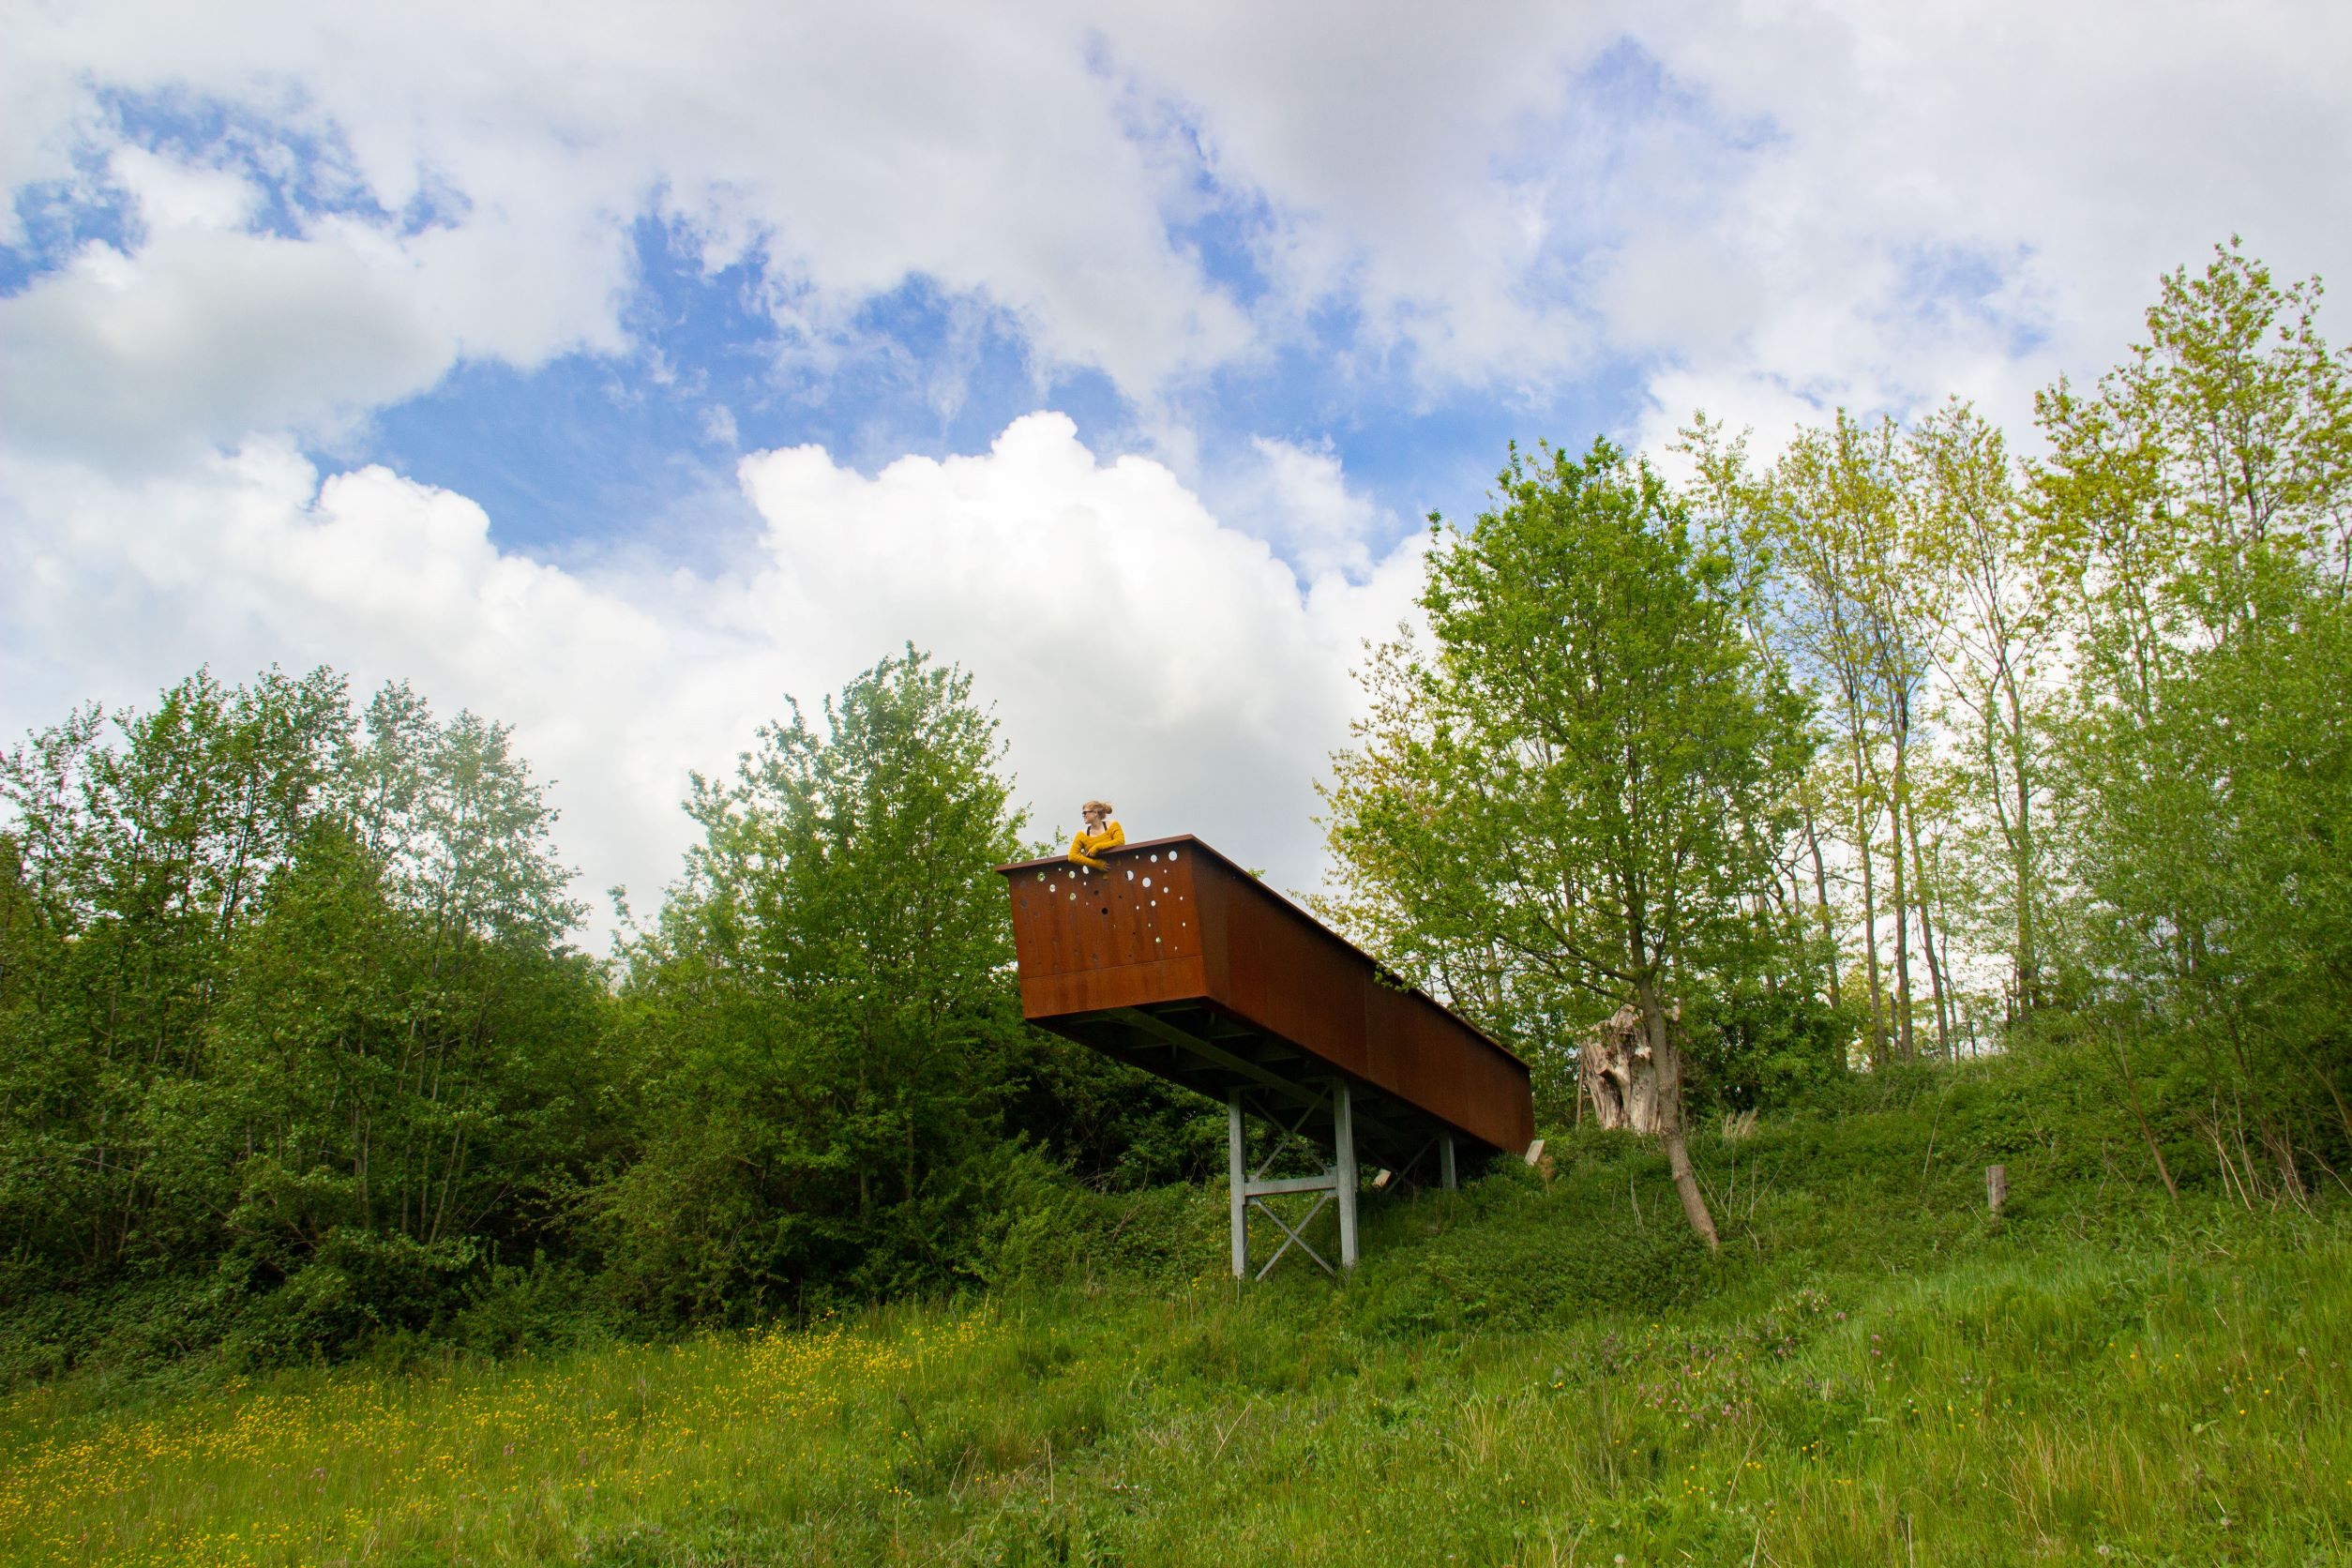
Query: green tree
1854	595
285	1006
1998	654
2198	505
827	1002
410	1060
139	863
1595	775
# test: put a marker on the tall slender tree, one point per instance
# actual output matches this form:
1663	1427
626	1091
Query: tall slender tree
1998	655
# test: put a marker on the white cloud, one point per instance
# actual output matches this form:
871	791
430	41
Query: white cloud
207	331
1957	197
204	336
1506	190
1761	208
174	193
1138	646
861	149
1297	498
1135	646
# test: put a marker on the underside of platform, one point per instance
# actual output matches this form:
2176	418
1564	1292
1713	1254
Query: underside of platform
1195	1044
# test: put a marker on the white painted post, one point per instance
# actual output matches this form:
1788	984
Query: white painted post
1445	1159
1344	1139
1237	1173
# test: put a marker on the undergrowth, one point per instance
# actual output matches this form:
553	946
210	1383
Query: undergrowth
1528	1371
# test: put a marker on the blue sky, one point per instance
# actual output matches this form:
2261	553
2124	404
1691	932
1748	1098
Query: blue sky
620	380
588	445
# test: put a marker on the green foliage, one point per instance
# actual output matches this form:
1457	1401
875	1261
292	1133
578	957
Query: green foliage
2195	504
286	1011
1581	775
1754	1045
1522	1371
1576	801
296	1061
134	870
835	1075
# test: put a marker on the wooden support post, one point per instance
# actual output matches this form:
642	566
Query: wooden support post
1445	1159
1343	1141
1995	1187
1237	1171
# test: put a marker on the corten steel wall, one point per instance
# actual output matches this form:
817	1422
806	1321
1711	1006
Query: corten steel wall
1172	921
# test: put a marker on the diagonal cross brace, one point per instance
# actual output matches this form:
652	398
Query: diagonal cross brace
1286	1134
1292	1235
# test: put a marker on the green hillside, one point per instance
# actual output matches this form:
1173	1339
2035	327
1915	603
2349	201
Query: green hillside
1527	1372
1906	805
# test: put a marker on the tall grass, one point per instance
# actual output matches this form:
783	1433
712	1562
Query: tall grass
1524	1373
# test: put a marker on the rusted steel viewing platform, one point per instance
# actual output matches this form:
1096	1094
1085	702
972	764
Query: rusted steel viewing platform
1179	961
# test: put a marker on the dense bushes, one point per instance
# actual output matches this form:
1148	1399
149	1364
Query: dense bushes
286	1011
294	1057
839	1097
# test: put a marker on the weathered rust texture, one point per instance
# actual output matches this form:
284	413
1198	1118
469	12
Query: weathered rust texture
1174	943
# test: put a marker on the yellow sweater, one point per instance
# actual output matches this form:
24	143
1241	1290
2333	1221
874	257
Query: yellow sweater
1085	846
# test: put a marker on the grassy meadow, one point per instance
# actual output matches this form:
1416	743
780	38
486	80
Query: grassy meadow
1528	1372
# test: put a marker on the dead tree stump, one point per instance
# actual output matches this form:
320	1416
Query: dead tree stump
1618	1074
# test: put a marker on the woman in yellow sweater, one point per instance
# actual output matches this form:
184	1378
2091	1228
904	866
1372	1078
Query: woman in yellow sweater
1099	834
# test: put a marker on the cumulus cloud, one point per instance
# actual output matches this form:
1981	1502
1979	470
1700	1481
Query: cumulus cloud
1133	645
855	150
205	336
1139	646
234	232
207	329
1952	197
1298	498
1866	203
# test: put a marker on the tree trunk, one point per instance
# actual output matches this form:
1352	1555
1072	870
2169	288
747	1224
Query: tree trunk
1927	945
1864	827
2029	963
1668	1060
1821	898
1898	809
1870	950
